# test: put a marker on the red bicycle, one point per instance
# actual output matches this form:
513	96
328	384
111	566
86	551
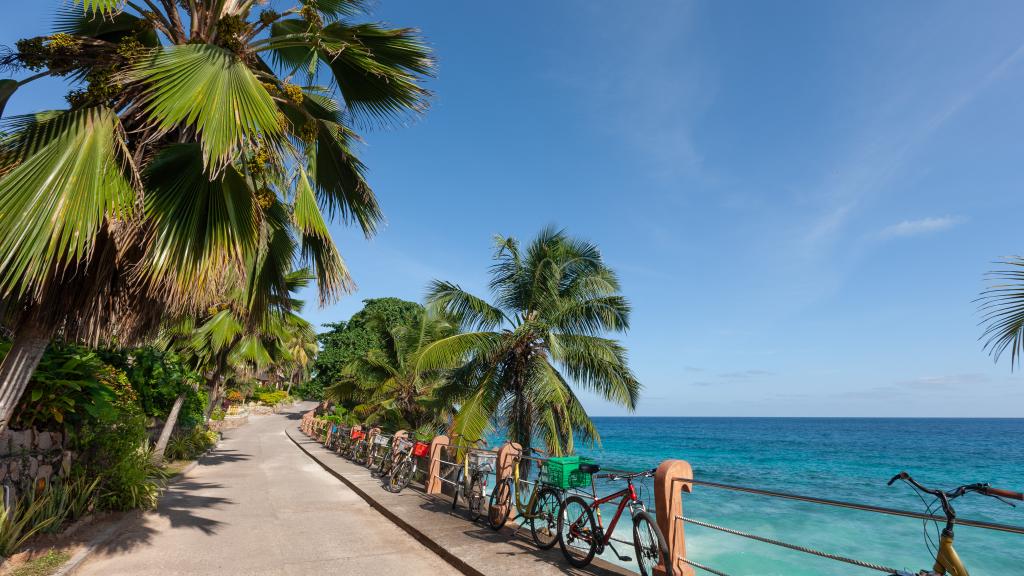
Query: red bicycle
581	537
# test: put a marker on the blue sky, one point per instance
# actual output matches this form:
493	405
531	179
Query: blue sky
801	197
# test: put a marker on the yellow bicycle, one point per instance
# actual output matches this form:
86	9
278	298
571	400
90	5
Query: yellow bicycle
946	559
540	508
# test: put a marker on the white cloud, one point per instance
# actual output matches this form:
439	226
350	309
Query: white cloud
918	227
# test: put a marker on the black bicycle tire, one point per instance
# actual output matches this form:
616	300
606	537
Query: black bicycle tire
645	516
404	472
533	518
498	521
458	487
562	532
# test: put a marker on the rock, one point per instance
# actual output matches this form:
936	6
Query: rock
33	466
65	462
15	471
21	440
44	441
5	444
45	472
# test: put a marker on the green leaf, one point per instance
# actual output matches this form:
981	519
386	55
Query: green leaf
338	176
36	395
65	180
211	90
200	226
100	7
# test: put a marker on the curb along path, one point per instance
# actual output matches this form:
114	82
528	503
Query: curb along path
473	548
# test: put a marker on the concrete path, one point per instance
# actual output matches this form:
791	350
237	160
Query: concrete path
259	506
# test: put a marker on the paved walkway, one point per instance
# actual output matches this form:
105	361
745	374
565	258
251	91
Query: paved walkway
259	506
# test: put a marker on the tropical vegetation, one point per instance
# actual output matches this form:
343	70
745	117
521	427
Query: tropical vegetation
205	147
1002	309
468	366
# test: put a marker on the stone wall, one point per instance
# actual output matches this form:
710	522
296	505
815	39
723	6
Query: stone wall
32	458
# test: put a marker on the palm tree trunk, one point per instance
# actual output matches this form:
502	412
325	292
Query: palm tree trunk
165	434
30	341
214	396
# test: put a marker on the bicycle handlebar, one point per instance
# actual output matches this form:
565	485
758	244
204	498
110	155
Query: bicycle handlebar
980	488
989	491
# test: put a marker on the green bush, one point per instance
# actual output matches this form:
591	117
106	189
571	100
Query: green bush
217	414
272	398
158	378
65	391
189	445
62	501
117	452
22	522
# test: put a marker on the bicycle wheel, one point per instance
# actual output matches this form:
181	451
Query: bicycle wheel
500	505
360	452
649	544
400	476
577	531
544	518
476	497
457	489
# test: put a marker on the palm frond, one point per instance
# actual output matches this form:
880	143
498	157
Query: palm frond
65	176
1002	309
470	311
210	90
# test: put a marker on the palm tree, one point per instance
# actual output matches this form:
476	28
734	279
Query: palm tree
191	125
544	329
1002	308
387	384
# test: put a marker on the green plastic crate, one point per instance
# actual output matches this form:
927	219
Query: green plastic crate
564	472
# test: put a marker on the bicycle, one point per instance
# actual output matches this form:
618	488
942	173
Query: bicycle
581	538
947	561
540	509
404	465
360	447
380	449
471	482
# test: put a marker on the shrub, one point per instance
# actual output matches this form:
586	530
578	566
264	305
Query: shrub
22	523
272	398
117	451
235	396
159	377
63	500
65	390
217	414
179	447
188	445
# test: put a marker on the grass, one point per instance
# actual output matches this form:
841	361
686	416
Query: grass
42	566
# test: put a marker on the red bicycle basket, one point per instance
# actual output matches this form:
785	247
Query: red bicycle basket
358	434
421	449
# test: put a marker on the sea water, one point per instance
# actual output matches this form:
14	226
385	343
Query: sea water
835	458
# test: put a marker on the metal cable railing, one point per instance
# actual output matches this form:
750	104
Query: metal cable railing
856	506
825	502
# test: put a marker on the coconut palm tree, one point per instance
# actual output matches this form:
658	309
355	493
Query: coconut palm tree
521	356
1002	308
387	384
190	124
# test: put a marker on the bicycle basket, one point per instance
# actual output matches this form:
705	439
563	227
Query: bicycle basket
404	445
564	472
481	459
420	449
381	440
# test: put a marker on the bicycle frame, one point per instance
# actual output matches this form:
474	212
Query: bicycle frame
627	498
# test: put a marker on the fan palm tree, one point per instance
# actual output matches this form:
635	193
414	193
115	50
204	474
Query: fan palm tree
387	384
519	357
1002	308
191	123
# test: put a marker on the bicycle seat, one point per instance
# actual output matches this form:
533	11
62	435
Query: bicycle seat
590	468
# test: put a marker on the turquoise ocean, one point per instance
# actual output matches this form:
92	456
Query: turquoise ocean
836	458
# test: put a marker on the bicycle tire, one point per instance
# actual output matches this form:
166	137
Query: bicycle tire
475	498
400	477
644	526
500	506
458	488
544	522
582	529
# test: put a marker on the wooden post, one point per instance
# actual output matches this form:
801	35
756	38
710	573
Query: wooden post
669	485
508	455
437	445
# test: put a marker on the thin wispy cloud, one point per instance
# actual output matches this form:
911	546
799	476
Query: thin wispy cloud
919	227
